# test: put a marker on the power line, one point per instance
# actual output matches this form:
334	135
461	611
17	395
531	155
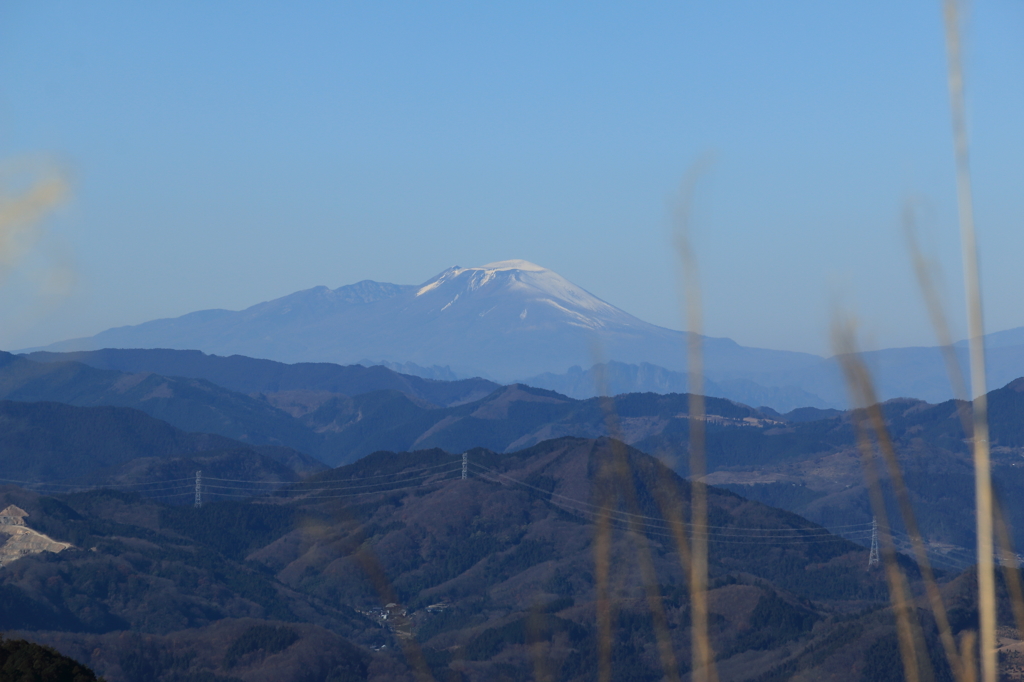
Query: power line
87	485
653	526
714	535
786	531
327	497
316	488
363	478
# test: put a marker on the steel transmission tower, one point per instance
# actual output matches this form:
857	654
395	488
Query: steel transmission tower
199	489
465	462
873	556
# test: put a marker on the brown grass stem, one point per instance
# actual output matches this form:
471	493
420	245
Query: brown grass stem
703	657
647	570
627	489
602	571
975	324
21	212
911	643
877	420
927	279
1011	569
365	557
1008	558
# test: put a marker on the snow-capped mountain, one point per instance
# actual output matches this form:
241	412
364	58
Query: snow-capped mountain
503	320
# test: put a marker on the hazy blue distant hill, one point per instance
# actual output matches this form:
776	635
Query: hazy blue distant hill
194	405
504	320
250	375
43	442
616	378
516	321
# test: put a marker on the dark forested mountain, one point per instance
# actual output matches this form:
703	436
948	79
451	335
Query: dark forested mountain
44	442
804	460
253	376
814	468
28	662
190	404
335	428
426	571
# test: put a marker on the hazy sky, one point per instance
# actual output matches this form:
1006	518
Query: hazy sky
222	154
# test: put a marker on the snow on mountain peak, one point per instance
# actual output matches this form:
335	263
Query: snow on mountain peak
524	265
525	289
489	271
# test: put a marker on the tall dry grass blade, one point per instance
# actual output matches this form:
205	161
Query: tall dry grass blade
1011	567
703	657
537	636
602	572
365	557
912	652
936	309
647	570
869	397
925	271
885	445
627	489
22	210
670	504
968	642
975	323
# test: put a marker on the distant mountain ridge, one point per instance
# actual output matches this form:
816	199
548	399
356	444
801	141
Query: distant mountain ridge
516	321
45	442
617	378
504	320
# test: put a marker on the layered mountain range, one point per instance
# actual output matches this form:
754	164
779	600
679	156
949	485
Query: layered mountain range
516	321
804	460
392	562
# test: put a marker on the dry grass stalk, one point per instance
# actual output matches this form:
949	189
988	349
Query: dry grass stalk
537	638
911	643
968	642
602	570
647	570
703	657
926	280
855	368
368	561
619	466
972	286
1011	569
21	212
938	608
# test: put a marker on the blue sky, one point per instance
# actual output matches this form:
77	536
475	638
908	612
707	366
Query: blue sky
222	154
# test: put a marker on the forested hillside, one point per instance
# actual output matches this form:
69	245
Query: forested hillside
394	564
